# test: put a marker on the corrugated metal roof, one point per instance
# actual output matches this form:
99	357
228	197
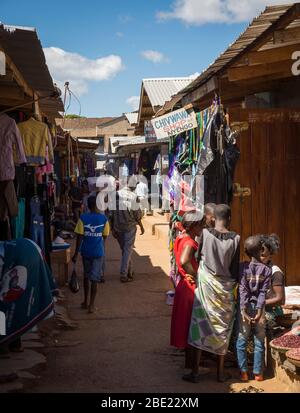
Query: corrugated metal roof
12	28
115	141
255	32
134	140
23	46
162	89
132	117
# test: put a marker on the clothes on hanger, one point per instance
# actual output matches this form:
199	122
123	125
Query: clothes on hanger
36	136
8	200
18	222
10	140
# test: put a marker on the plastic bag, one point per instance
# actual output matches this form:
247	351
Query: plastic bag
74	282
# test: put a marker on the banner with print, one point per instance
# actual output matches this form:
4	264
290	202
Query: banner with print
174	123
149	132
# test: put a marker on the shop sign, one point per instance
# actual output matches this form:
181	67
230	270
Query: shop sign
149	132
2	64
174	123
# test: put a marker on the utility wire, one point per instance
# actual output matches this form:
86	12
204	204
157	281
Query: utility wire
73	94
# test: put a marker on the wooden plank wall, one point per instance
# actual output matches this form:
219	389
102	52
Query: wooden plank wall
270	166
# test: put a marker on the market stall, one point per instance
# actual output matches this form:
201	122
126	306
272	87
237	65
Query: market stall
29	101
285	347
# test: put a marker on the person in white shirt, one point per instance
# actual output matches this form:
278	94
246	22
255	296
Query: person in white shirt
142	194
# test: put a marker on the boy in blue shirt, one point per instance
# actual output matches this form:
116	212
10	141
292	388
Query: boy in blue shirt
92	229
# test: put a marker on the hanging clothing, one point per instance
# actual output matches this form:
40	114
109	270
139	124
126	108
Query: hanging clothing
36	136
8	200
18	223
231	157
26	288
208	145
10	140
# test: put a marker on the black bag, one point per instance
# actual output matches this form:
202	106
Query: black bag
74	283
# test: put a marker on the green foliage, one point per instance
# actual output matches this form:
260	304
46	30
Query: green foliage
71	116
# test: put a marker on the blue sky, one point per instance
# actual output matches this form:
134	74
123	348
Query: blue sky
133	40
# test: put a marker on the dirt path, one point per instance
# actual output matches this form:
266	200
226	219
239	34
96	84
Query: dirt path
124	347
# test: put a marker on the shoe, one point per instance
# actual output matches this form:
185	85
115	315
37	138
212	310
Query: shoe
258	377
130	276
244	376
192	378
124	279
102	280
92	309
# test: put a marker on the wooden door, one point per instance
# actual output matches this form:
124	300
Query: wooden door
270	167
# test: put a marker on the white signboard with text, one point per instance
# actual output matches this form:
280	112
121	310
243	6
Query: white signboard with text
174	123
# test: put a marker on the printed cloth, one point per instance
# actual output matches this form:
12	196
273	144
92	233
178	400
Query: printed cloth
213	312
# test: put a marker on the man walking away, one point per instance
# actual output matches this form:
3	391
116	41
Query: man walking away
142	194
92	228
124	221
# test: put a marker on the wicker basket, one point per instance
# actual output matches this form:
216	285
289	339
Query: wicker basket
280	349
292	359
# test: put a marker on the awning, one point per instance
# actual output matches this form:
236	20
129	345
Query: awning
136	144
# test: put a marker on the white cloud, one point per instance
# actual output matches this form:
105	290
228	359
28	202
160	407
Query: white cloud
154	56
133	102
79	70
119	34
195	12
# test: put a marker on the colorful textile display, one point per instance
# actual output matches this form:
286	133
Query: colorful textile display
26	287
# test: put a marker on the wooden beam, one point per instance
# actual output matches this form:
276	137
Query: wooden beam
201	91
18	77
5	101
287	35
291	15
250	72
277	54
11	92
234	92
276	78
